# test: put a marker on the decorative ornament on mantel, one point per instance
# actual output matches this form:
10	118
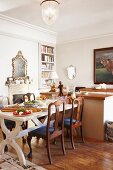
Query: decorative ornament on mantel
50	10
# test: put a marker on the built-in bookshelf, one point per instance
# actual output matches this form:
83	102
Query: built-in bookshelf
47	64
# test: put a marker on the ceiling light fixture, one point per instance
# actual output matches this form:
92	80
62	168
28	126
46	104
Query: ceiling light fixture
50	10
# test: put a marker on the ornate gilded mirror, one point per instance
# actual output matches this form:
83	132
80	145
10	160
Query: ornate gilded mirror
19	64
71	72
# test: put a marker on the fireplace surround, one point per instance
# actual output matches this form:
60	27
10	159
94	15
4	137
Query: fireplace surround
17	89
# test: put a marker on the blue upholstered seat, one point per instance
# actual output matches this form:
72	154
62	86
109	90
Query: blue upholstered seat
67	122
42	131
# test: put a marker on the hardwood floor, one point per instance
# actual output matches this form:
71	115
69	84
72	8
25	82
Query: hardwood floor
87	156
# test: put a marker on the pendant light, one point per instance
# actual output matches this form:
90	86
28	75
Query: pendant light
50	10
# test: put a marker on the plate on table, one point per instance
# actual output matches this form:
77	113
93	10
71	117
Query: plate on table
22	112
22	115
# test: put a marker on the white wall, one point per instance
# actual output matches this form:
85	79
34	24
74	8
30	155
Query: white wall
15	36
80	55
8	49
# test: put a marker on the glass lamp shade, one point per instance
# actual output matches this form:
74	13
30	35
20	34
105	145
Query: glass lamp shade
50	10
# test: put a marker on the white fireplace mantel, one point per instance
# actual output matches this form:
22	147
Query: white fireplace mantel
17	89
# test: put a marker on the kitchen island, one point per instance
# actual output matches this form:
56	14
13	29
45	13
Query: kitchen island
97	91
97	109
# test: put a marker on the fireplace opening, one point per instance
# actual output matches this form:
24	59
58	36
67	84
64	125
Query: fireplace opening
18	98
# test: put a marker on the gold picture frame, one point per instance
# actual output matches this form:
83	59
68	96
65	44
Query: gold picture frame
103	65
19	64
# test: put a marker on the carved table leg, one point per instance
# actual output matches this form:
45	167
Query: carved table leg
10	140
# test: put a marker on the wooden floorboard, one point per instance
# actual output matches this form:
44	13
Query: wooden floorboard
87	156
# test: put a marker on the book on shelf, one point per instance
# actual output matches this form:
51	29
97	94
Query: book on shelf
47	49
50	50
43	49
43	58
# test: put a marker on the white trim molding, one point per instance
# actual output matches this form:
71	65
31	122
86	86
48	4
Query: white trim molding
19	29
84	38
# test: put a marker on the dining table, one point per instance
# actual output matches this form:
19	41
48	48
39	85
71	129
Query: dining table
18	132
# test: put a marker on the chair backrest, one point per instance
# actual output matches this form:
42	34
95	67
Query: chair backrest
28	96
77	112
53	118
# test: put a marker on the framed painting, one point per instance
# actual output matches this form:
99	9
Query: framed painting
103	65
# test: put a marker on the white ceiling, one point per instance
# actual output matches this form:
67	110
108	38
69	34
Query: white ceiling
78	19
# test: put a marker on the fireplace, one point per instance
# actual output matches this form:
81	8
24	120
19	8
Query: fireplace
16	91
18	98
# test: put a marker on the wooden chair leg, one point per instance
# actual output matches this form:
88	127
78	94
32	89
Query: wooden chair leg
54	141
62	143
24	126
10	128
29	144
67	134
71	136
48	152
23	140
81	131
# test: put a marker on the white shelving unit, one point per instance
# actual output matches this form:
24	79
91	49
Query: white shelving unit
46	64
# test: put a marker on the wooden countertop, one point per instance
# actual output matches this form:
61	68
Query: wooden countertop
52	93
48	93
96	90
94	96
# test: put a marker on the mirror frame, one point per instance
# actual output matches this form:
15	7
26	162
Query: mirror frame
19	56
69	69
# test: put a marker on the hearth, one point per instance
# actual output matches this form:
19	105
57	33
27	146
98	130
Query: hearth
18	98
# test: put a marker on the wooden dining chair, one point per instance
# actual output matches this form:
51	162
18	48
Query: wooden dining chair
50	131
75	119
28	96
